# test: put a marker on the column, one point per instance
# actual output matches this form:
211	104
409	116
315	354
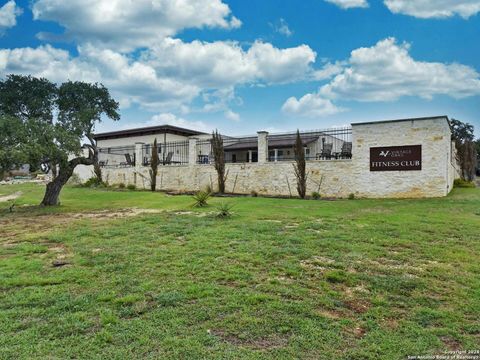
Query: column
276	155
192	151
262	146
249	156
139	154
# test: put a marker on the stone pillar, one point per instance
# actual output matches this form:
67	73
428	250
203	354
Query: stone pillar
139	154
262	146
276	155
192	151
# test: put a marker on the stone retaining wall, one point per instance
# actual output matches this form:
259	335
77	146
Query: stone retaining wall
332	178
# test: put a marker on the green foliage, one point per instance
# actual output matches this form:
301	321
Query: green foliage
94	182
460	183
154	162
131	187
252	286
463	135
219	160
43	123
300	166
316	195
201	198
121	186
351	196
75	180
224	210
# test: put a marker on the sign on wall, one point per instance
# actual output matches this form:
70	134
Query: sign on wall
391	158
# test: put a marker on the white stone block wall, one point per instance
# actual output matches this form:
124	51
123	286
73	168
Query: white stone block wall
332	178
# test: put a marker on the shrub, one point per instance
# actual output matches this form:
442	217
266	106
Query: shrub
460	183
253	193
94	182
316	195
209	189
351	196
201	198
74	180
121	186
131	187
224	210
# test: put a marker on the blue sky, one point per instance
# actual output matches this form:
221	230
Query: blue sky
242	66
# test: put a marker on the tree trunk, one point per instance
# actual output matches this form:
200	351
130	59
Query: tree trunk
52	192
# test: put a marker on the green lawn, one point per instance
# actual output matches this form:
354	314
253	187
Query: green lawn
281	279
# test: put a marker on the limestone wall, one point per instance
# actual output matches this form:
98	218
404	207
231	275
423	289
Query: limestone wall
432	181
332	178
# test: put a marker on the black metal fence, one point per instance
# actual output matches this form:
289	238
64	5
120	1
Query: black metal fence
328	144
117	156
169	153
237	149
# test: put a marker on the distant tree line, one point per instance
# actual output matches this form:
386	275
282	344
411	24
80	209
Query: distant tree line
468	150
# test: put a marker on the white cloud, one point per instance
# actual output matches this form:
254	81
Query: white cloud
128	80
310	105
348	4
387	72
125	25
282	28
222	64
171	119
8	16
171	74
233	116
434	8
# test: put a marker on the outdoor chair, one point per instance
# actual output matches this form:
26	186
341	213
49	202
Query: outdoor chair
346	152
128	161
326	152
103	163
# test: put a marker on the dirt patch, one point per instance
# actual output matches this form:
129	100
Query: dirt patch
319	263
13	196
266	343
451	343
358	306
12	227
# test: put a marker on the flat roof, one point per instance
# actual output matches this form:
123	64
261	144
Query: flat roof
444	117
151	130
273	142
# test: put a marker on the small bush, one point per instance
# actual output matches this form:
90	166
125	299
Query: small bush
351	196
131	187
253	193
201	198
94	182
460	183
121	186
316	195
224	210
74	180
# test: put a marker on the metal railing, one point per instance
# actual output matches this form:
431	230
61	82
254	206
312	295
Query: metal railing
169	153
328	144
237	149
117	156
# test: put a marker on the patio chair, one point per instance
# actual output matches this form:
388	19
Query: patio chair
129	161
168	159
326	152
346	152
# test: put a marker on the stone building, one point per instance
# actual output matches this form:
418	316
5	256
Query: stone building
404	158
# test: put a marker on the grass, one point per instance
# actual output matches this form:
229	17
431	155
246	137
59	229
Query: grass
279	279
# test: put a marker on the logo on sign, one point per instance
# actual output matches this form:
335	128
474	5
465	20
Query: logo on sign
392	158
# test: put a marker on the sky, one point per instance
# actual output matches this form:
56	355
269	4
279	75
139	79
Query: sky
246	65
